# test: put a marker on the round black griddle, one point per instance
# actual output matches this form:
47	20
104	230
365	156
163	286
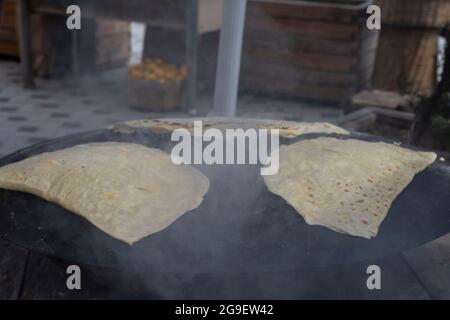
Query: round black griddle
239	227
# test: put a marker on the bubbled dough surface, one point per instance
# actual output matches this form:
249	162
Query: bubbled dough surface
345	185
127	190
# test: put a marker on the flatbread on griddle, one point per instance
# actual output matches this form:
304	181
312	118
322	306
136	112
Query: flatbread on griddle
345	185
127	190
288	129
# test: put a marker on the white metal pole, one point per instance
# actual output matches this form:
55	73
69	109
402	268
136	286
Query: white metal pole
229	60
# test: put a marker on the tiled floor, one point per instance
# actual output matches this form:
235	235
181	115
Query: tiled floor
58	107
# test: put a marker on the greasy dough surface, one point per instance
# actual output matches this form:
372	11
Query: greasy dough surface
288	129
345	185
127	190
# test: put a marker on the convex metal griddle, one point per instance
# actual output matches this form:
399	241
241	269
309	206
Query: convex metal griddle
240	226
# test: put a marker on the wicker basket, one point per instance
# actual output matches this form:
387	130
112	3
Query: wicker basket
149	95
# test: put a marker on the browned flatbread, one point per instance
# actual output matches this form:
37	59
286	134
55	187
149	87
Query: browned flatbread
127	190
345	185
288	129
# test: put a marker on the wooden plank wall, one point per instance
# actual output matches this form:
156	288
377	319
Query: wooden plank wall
414	13
408	44
9	43
102	44
318	52
112	43
406	61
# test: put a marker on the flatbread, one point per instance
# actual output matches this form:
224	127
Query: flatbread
288	129
127	190
345	185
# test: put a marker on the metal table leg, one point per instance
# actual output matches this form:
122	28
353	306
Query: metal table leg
228	66
25	44
191	55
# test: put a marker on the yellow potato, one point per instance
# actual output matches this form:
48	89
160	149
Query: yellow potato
159	72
